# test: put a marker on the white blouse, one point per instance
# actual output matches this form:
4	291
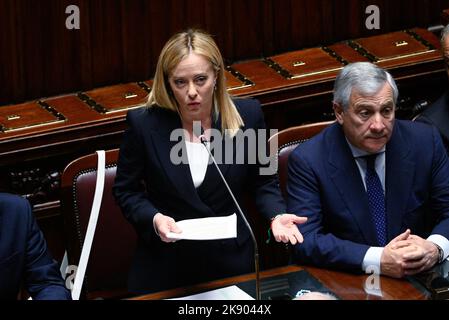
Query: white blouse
198	160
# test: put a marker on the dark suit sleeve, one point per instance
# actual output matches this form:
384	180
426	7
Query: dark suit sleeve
43	280
440	186
129	189
266	189
320	247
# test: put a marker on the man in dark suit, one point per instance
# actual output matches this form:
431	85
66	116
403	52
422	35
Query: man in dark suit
375	189
24	258
438	113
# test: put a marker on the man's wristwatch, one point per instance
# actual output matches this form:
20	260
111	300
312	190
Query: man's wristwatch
440	253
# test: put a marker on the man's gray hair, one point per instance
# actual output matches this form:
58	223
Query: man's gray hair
364	77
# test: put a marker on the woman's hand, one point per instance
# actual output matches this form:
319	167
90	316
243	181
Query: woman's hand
163	225
284	228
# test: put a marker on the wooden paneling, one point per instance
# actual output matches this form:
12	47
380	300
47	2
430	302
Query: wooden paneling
302	23
10	74
119	41
289	95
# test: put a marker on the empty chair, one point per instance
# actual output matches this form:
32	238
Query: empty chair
114	241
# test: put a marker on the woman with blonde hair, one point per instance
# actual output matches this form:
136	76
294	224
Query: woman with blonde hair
164	176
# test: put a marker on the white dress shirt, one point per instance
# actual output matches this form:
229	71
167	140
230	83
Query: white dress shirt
198	160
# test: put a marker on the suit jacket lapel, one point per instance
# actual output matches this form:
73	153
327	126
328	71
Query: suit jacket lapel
346	177
399	173
178	174
162	149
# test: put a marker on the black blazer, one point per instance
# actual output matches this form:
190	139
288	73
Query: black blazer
438	115
24	258
148	182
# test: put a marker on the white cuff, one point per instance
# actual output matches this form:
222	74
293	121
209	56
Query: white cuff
154	226
442	242
371	261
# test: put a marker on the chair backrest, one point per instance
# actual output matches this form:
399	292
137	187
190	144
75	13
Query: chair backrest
114	241
287	140
275	254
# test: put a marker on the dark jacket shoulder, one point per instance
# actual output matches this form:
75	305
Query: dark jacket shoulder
14	209
250	110
150	117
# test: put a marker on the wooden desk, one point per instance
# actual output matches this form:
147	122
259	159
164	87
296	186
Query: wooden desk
344	285
351	287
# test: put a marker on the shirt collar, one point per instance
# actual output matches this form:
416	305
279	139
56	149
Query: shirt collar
357	153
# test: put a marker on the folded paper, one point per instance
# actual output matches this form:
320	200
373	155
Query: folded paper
211	228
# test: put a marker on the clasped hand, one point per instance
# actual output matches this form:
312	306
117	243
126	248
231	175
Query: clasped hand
408	254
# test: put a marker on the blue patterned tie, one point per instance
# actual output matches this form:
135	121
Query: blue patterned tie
376	199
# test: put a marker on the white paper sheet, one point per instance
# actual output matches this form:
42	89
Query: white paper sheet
227	293
207	228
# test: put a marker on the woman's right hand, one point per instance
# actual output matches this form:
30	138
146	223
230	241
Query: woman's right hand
163	225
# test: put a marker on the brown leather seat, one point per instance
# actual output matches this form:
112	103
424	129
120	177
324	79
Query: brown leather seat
114	241
287	140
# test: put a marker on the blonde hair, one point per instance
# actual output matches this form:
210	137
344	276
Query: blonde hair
178	47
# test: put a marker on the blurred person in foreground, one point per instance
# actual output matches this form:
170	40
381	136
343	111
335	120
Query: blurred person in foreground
25	262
